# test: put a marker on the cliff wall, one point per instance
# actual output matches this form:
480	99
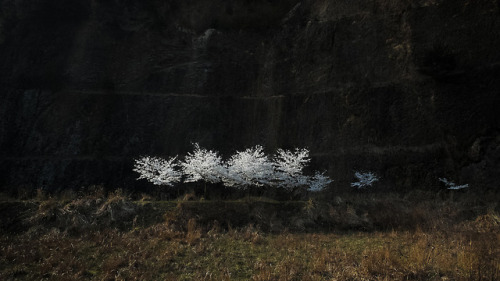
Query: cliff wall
408	89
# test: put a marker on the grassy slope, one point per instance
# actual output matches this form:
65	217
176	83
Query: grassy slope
458	239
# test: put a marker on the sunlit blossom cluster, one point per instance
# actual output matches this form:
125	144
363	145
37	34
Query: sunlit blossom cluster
248	168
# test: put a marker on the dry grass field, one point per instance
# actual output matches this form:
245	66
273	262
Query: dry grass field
417	236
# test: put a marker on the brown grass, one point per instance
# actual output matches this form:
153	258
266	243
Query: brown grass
440	238
161	253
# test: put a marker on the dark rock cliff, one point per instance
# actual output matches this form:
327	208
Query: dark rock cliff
408	89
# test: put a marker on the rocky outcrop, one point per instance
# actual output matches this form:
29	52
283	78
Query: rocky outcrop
408	89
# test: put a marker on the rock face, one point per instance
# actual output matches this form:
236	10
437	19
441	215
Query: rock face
408	89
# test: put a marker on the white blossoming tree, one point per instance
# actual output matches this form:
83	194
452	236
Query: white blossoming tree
202	164
364	179
289	166
157	170
318	182
250	167
451	185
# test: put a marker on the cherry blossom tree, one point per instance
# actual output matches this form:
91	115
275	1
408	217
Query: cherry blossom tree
364	179
202	164
451	185
250	167
318	182
157	170
288	168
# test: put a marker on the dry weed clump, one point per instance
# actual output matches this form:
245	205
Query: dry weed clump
85	213
252	234
193	233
